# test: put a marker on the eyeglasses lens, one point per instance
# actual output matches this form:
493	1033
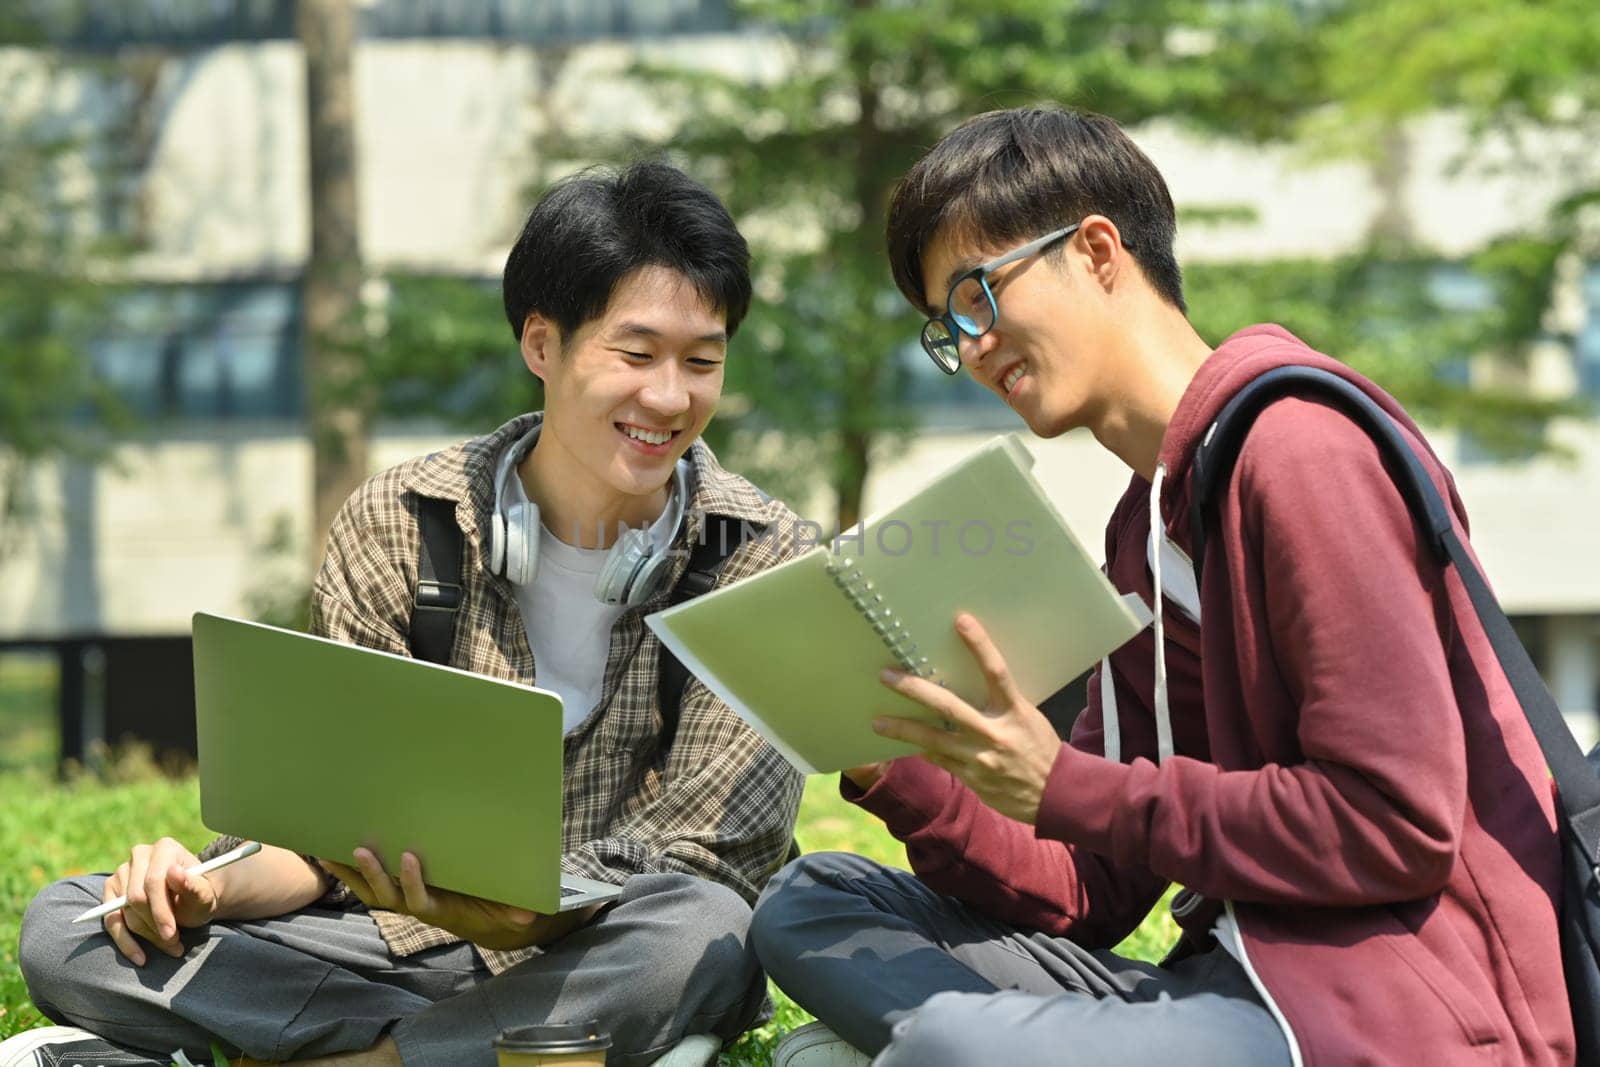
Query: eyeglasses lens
972	307
939	343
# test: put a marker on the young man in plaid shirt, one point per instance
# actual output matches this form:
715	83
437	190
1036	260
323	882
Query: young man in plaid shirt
623	292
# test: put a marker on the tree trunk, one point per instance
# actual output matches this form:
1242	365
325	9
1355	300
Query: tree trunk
861	399
335	392
854	456
1391	226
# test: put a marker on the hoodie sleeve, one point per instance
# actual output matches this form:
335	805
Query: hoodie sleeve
963	848
1339	626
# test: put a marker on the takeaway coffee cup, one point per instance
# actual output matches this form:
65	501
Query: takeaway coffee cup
556	1044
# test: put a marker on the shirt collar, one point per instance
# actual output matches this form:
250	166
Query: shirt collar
465	473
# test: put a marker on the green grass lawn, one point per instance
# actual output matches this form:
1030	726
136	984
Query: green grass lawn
48	831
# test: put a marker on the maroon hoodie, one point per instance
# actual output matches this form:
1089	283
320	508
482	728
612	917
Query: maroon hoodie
1352	773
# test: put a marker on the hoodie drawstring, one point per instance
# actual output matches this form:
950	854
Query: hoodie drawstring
1110	730
1163	713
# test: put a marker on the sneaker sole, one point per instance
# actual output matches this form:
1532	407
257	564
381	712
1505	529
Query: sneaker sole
22	1049
18	1050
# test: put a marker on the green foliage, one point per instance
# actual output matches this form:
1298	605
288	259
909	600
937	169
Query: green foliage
849	95
279	593
50	300
1384	315
1523	77
49	831
1503	64
806	143
443	350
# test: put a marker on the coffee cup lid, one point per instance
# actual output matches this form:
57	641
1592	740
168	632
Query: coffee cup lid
555	1038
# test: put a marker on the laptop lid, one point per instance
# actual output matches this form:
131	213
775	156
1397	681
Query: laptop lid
318	746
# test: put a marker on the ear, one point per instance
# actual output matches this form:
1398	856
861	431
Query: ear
541	344
1107	259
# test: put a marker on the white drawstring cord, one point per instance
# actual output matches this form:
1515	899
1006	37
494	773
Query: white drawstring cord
1163	713
1110	730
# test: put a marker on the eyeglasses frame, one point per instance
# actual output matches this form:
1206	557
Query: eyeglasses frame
948	320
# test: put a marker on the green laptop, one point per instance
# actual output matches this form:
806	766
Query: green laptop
319	747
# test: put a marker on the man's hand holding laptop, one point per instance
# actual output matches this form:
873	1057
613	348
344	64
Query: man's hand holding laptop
165	897
482	922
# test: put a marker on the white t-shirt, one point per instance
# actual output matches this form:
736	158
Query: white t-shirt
569	631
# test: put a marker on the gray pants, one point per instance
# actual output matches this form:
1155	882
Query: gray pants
668	959
893	967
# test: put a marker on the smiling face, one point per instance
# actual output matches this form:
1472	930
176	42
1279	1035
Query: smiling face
1043	354
628	392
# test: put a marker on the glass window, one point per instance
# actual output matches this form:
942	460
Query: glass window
1455	290
1588	340
948	402
206	351
551	21
112	24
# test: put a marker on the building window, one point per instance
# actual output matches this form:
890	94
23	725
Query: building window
1457	291
1588	341
227	350
549	22
106	25
948	402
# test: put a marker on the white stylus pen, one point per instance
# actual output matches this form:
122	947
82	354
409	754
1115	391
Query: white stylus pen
249	848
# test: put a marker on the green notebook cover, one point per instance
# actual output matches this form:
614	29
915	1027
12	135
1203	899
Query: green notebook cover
796	650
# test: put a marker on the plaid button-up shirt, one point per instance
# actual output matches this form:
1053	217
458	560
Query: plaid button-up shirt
720	803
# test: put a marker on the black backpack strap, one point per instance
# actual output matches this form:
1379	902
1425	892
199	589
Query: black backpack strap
437	600
720	536
1219	449
1576	781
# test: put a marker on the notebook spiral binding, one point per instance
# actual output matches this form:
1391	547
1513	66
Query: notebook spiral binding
890	630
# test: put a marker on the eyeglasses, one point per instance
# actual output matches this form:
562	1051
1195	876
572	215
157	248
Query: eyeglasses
970	307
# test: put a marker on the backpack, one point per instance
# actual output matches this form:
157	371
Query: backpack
1577	778
437	601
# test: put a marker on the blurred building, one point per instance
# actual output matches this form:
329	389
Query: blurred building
201	509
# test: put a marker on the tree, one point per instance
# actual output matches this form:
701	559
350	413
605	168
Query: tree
853	92
807	155
444	352
1524	79
1511	68
54	280
848	93
338	388
1379	311
865	86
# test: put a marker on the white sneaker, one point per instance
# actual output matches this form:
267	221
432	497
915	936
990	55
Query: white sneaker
696	1050
814	1045
68	1046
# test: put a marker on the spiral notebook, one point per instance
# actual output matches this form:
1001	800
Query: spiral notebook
796	650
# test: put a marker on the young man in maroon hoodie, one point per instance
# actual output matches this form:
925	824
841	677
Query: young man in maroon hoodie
1347	790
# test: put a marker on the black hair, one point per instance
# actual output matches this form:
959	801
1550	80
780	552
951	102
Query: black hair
1011	176
592	229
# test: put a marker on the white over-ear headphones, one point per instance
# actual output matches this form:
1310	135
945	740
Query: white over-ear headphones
636	564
